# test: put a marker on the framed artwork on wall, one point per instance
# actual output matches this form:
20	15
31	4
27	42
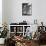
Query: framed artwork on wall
26	9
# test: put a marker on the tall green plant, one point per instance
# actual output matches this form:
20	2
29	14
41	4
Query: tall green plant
4	32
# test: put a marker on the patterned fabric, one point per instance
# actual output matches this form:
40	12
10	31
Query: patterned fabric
23	44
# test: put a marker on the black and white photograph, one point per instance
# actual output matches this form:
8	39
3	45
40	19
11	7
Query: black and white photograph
26	9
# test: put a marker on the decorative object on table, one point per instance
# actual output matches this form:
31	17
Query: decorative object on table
35	21
28	33
42	23
23	23
26	9
29	37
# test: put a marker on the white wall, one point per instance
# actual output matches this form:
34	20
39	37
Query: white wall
39	10
4	11
0	13
16	11
13	11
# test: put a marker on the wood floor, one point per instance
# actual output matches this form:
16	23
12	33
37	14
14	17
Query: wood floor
42	45
32	45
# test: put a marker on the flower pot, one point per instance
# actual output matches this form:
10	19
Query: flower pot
2	40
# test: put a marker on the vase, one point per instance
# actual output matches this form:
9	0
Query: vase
2	40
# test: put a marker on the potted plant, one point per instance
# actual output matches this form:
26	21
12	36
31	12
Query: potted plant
3	34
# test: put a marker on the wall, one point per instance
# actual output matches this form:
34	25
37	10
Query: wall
0	13
13	11
4	11
39	10
16	13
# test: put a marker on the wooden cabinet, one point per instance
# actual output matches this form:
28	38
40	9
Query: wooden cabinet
18	29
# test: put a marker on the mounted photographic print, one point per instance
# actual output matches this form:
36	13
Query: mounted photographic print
26	9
